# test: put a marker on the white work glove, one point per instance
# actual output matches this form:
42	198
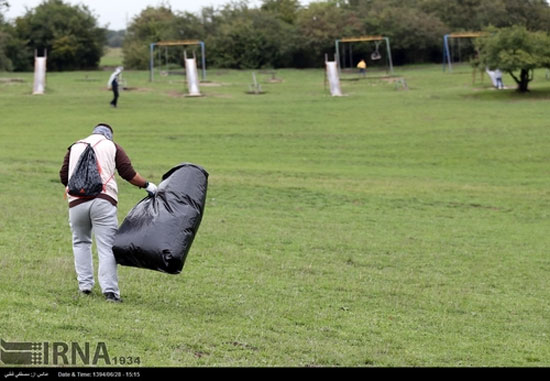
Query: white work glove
150	188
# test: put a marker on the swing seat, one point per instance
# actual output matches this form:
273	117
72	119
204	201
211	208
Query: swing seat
375	56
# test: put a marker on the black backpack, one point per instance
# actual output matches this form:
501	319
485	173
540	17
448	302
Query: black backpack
85	181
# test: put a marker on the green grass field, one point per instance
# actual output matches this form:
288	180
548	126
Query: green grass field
385	228
112	57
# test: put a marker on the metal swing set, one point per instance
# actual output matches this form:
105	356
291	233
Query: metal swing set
447	57
166	44
375	55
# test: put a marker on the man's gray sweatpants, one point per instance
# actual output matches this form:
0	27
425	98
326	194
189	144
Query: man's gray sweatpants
99	216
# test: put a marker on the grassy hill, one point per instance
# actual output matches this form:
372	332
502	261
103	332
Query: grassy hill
388	227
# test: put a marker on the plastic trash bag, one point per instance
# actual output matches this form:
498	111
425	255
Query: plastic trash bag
158	232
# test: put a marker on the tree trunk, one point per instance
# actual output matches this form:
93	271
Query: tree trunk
523	81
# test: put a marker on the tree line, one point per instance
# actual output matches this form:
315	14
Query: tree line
276	34
69	34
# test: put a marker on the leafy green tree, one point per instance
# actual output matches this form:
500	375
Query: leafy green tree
153	24
69	33
14	54
5	62
282	33
516	51
478	14
251	38
286	10
3	4
533	14
415	35
187	26
415	27
318	26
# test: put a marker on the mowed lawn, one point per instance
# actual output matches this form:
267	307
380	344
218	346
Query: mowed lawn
388	227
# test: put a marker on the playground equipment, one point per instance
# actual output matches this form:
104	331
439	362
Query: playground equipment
400	84
331	68
166	45
375	55
192	76
254	88
39	85
274	78
447	58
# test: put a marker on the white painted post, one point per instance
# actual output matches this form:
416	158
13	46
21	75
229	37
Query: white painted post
39	85
333	78
192	77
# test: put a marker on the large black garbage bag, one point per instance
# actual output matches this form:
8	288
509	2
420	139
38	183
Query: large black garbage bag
158	232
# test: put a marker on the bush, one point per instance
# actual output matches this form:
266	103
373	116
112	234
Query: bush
69	33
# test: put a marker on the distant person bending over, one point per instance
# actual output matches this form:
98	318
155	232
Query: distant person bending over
98	214
113	84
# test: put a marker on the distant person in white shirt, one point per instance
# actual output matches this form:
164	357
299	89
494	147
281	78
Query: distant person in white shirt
113	84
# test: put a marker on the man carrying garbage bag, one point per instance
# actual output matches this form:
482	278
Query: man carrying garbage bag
98	212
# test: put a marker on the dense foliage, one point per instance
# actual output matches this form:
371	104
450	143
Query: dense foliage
69	34
282	33
516	51
278	33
